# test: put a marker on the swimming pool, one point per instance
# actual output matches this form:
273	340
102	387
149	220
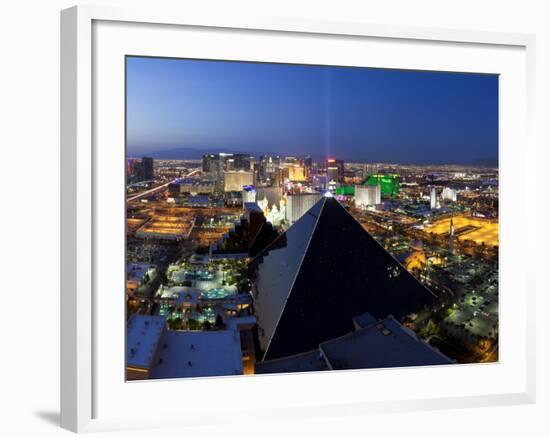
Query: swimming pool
217	293
199	276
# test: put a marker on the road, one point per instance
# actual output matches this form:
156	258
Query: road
161	187
150	191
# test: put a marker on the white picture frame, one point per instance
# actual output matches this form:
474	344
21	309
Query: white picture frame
83	371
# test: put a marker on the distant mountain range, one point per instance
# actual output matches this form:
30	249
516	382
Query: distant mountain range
180	153
196	154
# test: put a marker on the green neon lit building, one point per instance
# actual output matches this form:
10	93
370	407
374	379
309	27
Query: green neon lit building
389	184
346	190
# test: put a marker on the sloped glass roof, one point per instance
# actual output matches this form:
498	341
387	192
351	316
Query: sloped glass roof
279	263
322	272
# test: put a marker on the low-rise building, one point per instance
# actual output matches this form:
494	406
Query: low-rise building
138	274
382	344
197	187
198	354
154	352
373	344
143	338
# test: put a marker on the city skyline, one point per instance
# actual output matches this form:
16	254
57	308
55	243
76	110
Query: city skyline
356	114
290	218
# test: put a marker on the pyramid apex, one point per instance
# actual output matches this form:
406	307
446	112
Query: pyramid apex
319	274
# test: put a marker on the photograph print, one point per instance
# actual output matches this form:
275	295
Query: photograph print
288	218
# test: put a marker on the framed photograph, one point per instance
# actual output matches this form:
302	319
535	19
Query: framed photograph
252	207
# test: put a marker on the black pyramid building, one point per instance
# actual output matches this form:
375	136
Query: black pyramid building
325	269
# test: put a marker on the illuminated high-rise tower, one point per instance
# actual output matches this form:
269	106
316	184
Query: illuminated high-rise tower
451	236
433	198
335	170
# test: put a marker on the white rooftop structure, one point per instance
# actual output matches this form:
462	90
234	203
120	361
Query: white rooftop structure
381	344
198	354
373	344
142	338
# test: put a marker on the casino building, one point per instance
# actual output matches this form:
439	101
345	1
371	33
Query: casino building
311	281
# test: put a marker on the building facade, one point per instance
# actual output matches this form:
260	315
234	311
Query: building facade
448	194
298	205
335	170
369	195
234	181
147	169
433	198
389	184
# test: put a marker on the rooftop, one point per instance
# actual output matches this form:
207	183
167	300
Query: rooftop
198	354
136	271
195	182
142	337
240	322
309	361
380	345
325	269
364	320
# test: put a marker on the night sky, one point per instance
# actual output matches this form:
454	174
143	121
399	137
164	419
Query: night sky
356	114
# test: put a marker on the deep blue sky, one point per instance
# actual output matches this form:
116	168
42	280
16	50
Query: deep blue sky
357	114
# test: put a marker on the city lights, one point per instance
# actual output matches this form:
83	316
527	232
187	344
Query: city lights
351	246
